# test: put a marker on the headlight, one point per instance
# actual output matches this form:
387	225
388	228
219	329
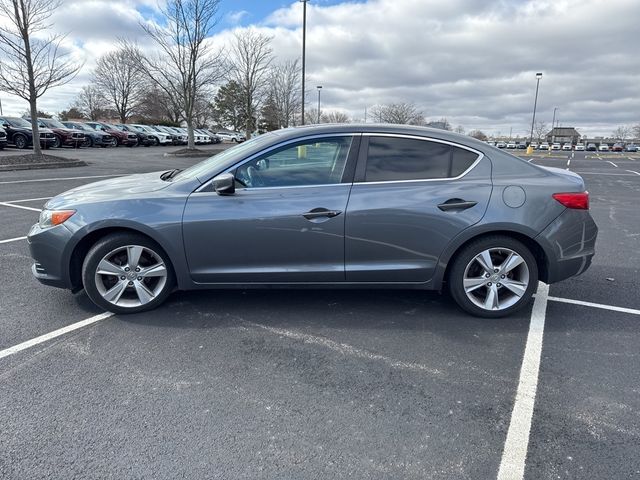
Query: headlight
51	218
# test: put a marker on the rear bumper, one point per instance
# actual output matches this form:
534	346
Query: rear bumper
569	244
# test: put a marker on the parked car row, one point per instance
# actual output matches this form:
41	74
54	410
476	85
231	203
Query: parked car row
17	132
580	147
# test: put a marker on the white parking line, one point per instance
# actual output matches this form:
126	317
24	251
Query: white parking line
13	239
51	335
22	207
61	178
517	443
633	171
28	200
613	308
606	174
609	161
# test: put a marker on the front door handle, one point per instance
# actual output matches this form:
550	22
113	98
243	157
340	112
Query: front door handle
456	204
321	212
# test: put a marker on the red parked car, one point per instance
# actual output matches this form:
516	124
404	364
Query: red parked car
63	135
617	147
122	138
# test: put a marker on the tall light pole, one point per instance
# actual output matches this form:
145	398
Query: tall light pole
553	125
304	48
535	104
319	87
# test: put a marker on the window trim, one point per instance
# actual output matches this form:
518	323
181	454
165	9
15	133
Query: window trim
364	156
347	174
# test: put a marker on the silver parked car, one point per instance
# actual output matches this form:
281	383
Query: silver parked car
357	206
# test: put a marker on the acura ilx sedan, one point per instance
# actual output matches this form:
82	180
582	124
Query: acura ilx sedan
346	206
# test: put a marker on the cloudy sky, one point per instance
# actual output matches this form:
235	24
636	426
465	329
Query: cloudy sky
472	61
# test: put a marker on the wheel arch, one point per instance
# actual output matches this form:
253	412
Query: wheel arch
80	250
527	238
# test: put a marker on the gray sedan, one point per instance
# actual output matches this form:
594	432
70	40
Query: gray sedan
351	206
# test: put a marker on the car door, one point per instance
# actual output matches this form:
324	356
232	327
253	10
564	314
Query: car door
410	197
285	221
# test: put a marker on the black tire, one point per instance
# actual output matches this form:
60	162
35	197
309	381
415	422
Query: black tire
464	259
88	142
156	141
57	143
113	242
20	142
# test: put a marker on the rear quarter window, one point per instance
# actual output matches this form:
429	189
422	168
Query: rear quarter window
395	159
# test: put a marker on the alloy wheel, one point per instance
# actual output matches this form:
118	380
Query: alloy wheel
131	276
496	279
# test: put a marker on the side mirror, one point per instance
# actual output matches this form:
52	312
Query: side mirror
5	125
224	184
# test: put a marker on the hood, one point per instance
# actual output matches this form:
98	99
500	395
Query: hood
113	189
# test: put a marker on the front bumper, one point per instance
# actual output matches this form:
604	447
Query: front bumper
48	250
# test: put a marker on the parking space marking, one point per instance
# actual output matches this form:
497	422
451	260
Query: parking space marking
514	454
51	335
28	200
4	204
60	179
633	171
607	174
13	239
346	349
609	161
613	308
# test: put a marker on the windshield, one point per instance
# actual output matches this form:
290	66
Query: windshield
201	169
50	122
18	122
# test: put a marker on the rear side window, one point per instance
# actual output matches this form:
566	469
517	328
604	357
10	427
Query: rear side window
391	159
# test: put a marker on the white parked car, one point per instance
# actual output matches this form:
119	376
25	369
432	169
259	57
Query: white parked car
567	146
603	147
160	138
580	147
511	145
544	146
556	146
501	145
231	136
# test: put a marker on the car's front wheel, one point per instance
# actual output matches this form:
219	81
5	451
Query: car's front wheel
493	276
127	273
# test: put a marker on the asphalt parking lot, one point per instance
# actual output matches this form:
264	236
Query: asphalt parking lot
322	384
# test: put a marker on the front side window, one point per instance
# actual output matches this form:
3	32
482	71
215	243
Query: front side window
394	159
310	162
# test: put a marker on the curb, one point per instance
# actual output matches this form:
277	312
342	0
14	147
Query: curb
42	165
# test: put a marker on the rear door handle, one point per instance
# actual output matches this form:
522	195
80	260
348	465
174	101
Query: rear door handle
321	212
456	204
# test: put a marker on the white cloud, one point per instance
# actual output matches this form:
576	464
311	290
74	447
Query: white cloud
473	62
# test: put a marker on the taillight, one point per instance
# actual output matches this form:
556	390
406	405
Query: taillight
577	200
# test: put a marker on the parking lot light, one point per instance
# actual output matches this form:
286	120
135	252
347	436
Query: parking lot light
535	103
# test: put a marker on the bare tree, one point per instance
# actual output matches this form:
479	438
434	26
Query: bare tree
284	92
121	81
459	129
335	117
91	102
187	63
636	131
402	113
622	133
250	69
540	130
30	66
478	134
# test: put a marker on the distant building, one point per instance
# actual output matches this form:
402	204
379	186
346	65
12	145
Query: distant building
563	135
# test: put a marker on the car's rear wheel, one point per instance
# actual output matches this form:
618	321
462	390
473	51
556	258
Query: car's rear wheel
127	273
493	276
88	142
57	141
